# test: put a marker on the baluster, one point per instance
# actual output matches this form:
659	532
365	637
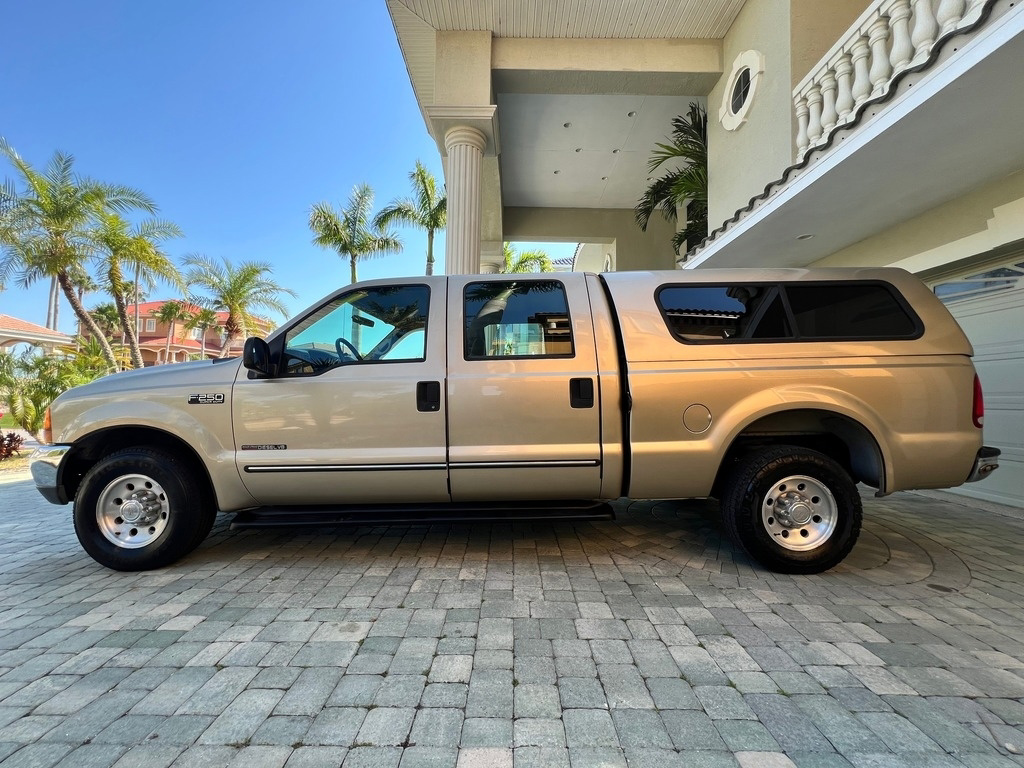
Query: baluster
899	23
881	71
974	8
844	97
859	54
801	126
949	14
925	29
828	101
813	114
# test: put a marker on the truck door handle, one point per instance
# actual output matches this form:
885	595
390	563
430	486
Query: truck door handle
581	393
428	396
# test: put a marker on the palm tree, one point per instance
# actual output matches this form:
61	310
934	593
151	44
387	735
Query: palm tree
170	313
121	246
527	261
424	210
686	184
47	233
204	320
106	318
349	231
235	290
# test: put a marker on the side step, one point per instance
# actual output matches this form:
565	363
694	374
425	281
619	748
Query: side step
421	514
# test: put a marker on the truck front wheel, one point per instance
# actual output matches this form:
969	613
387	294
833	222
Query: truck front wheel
139	509
792	509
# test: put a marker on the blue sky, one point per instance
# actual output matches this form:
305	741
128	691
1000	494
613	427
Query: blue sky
234	116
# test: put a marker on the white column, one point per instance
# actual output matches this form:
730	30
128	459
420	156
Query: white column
465	147
881	69
491	257
926	28
802	141
844	79
828	101
902	47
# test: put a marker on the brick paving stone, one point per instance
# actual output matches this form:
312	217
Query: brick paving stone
589	728
538	732
316	757
373	757
624	687
429	757
335	726
486	732
386	726
513	642
437	727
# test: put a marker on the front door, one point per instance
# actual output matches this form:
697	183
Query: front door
522	389
355	412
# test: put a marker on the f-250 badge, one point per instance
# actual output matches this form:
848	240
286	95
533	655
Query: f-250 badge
215	398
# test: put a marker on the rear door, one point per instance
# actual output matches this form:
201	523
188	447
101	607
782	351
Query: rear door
522	390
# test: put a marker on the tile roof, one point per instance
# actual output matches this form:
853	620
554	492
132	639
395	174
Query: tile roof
16	325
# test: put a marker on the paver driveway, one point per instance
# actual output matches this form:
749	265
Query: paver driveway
641	642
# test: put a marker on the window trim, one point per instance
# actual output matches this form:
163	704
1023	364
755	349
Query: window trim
752	61
279	346
797	337
572	336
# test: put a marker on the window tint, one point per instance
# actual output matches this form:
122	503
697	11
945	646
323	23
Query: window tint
848	311
516	319
711	313
379	324
805	311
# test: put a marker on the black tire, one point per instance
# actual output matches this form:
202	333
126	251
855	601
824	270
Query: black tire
792	509
141	508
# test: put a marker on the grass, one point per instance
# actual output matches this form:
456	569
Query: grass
17	463
7	422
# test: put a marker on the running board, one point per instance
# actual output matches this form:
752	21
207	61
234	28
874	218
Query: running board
421	514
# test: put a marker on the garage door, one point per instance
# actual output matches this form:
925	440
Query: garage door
989	305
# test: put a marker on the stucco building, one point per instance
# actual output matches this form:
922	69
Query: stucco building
845	132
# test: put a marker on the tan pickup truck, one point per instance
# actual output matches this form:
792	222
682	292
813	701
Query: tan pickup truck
776	391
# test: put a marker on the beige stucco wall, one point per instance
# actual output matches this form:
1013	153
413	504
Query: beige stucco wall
742	162
816	26
634	249
462	69
978	223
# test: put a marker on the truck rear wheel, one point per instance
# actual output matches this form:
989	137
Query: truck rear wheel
139	509
792	509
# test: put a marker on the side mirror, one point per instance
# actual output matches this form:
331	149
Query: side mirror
256	355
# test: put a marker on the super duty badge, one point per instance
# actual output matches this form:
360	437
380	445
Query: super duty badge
214	398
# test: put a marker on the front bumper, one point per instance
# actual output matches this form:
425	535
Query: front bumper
985	463
44	463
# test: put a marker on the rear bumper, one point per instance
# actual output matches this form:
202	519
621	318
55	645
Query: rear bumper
985	463
44	464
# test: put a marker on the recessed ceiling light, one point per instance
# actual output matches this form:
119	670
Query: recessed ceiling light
649	178
557	172
566	125
804	237
631	114
579	149
604	178
615	151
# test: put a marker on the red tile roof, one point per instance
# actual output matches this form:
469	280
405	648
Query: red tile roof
8	323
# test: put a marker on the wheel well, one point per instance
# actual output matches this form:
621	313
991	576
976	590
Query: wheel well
841	438
88	450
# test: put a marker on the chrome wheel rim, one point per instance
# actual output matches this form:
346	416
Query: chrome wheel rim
132	511
799	513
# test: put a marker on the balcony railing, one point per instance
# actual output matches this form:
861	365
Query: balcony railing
890	37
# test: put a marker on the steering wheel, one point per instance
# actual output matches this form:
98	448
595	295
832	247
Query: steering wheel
352	351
